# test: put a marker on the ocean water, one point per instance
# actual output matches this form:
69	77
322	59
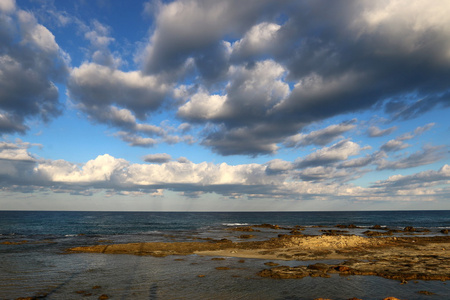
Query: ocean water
40	266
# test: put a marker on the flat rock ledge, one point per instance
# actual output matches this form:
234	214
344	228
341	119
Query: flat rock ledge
399	258
404	270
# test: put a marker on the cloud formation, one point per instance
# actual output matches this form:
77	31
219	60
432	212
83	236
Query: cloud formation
31	62
326	173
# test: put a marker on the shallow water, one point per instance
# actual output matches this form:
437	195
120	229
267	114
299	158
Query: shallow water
41	266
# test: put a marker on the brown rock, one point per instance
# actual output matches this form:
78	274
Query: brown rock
333	231
342	269
351	226
270	226
391	298
319	267
376	233
222	268
103	297
409	229
426	293
444	231
13	243
244	229
271	264
246	236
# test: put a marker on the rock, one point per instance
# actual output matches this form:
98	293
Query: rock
96	287
222	268
270	226
296	232
426	293
201	276
444	231
342	269
351	226
333	231
13	243
409	229
376	233
244	229
319	267
217	258
246	236
103	297
391	298
271	264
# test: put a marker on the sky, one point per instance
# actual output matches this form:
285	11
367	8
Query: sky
200	105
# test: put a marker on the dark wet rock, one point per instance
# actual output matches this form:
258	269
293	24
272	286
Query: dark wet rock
84	293
444	231
319	266
409	229
269	226
14	243
222	268
241	261
246	236
402	269
379	227
333	232
244	229
296	232
217	258
351	226
103	297
426	293
201	276
271	264
376	233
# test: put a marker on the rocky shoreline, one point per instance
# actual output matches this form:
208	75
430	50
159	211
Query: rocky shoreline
400	258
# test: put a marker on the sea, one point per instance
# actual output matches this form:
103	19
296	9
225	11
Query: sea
34	261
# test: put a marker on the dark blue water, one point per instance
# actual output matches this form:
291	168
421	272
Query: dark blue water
41	266
112	223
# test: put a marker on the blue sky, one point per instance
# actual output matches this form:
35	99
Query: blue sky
224	105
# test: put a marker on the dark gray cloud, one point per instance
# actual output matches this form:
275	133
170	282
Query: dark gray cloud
158	158
98	87
422	179
340	151
394	145
374	131
338	57
428	155
320	137
30	64
363	161
190	28
135	140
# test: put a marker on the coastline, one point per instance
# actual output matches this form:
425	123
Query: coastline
401	258
227	256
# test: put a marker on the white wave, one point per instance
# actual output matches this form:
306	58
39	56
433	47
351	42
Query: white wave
235	224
